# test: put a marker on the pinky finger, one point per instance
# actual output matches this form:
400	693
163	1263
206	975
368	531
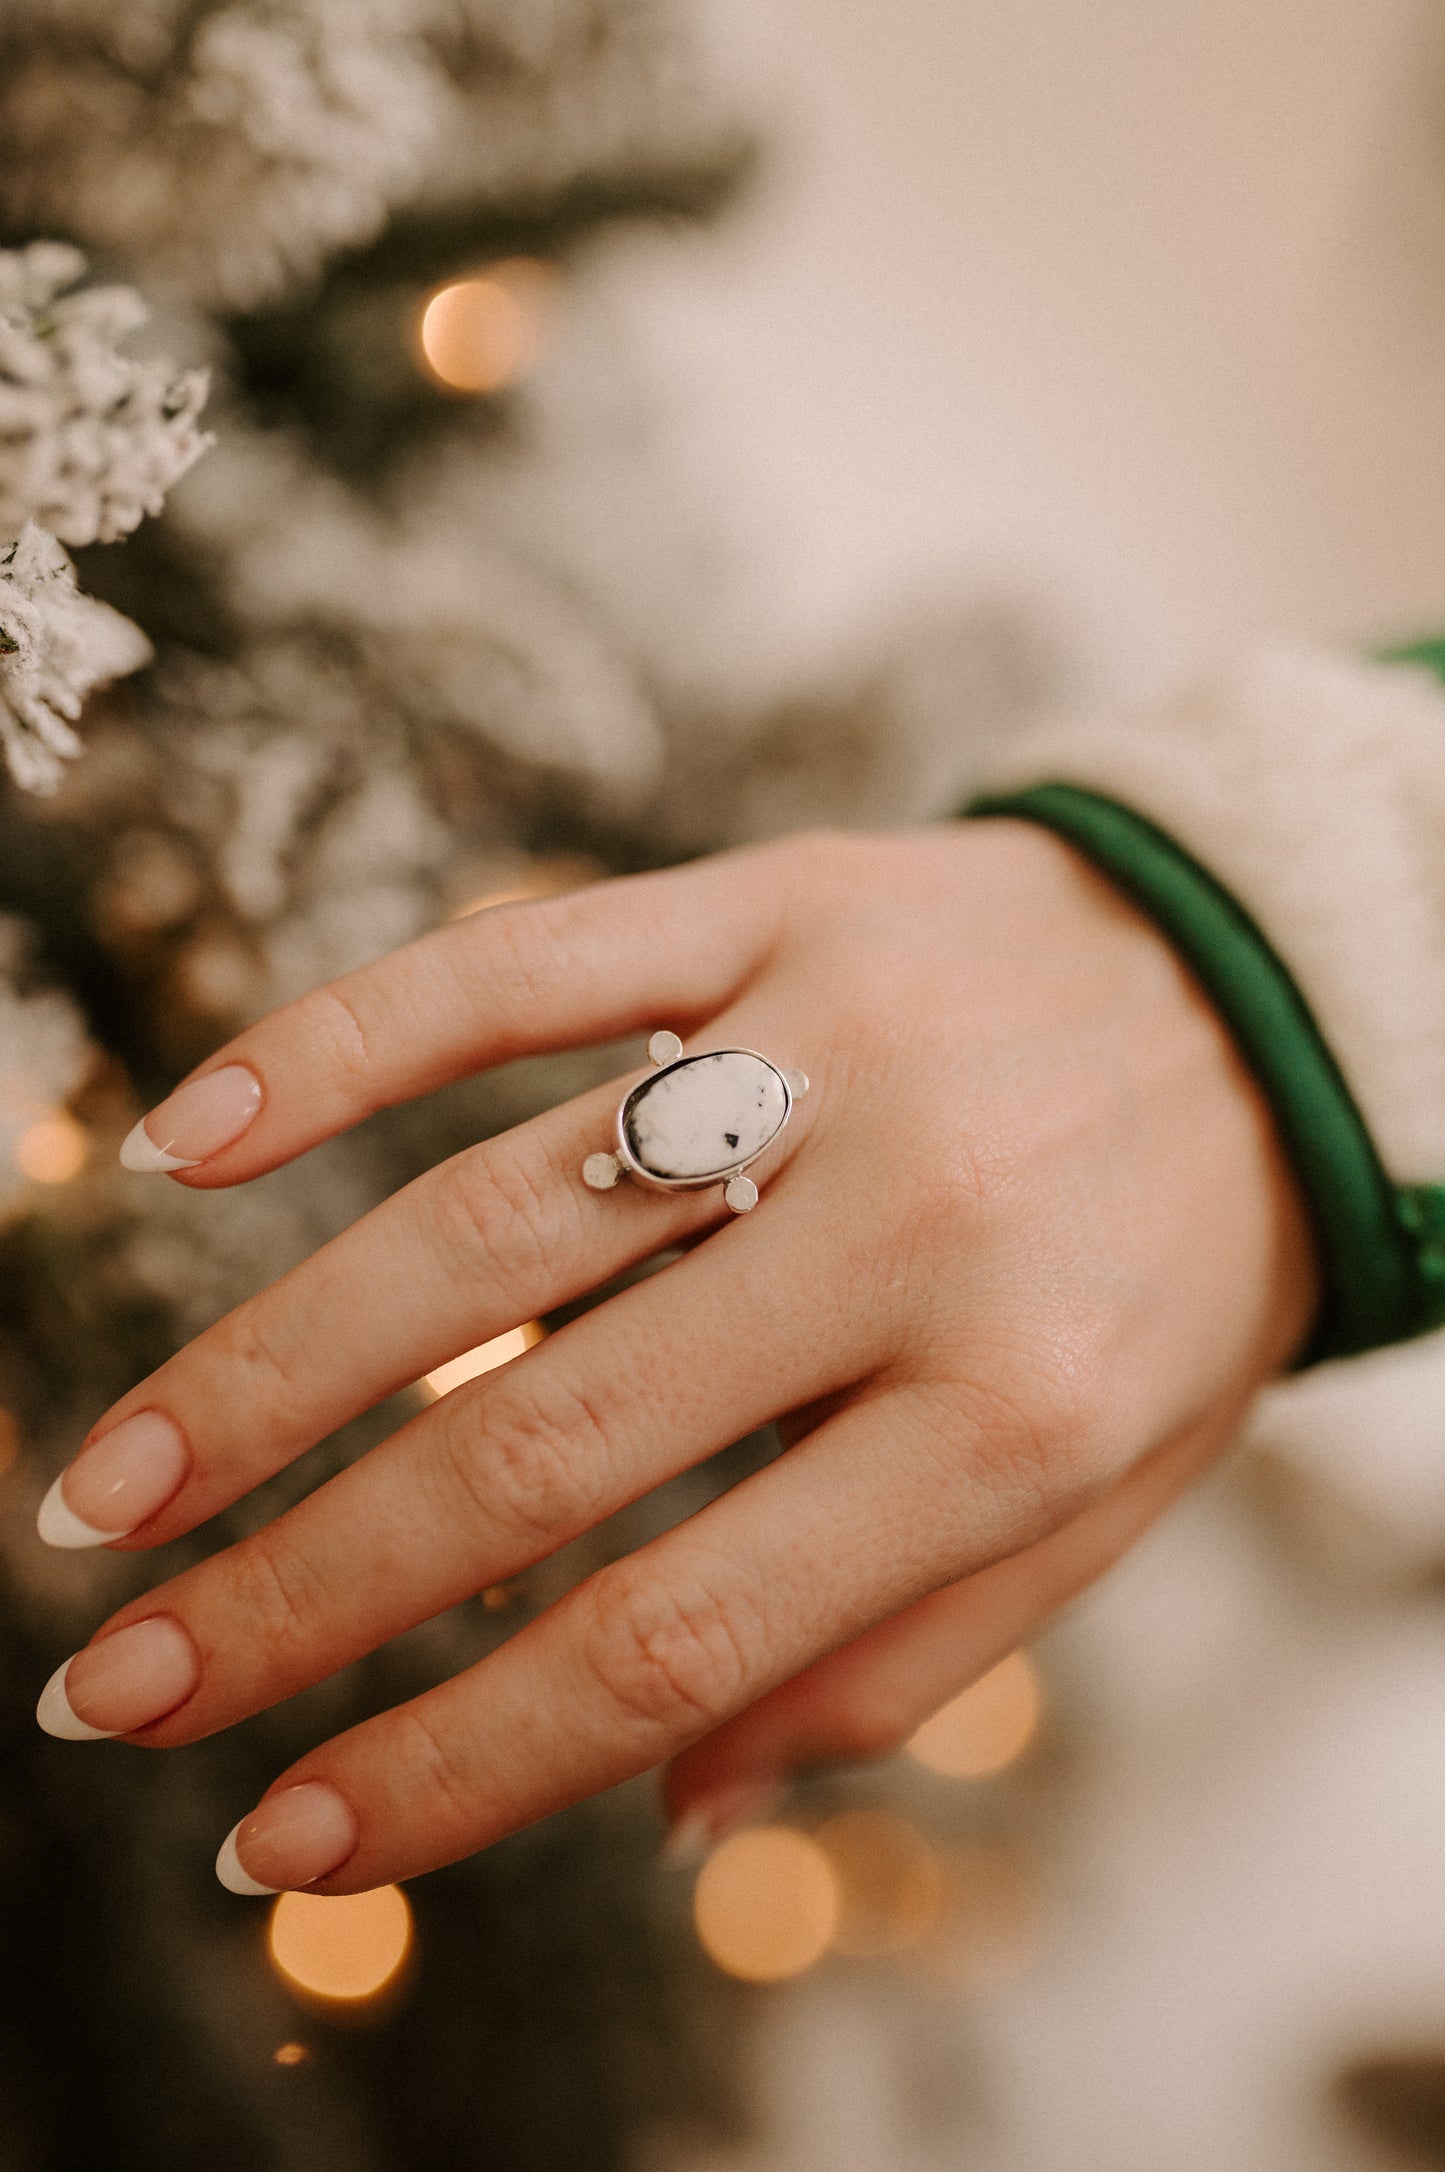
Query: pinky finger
864	1700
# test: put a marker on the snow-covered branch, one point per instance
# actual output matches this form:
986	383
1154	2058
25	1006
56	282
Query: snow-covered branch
91	439
55	646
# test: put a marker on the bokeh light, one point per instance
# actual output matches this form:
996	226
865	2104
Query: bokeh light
52	1150
766	1904
290	2055
484	1359
890	1882
483	333
987	1727
218	975
348	1946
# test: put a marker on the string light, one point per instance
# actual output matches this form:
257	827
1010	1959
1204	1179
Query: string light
891	1883
986	1728
484	1359
290	2055
52	1150
347	1947
483	333
766	1904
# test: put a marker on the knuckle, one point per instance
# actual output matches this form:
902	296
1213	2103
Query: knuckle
339	1019
954	1189
671	1660
526	949
433	1773
272	1375
270	1591
1012	1434
504	1204
533	1463
1040	1435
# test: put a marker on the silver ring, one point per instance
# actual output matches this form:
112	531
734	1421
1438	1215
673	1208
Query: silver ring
698	1121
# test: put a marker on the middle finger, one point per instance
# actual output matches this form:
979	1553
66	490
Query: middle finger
493	1478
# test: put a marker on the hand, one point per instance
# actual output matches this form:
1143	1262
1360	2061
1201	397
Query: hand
1022	1256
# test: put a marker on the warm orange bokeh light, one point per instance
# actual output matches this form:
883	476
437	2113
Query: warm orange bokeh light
484	1359
987	1727
890	1882
766	1904
52	1150
290	2055
484	333
344	1947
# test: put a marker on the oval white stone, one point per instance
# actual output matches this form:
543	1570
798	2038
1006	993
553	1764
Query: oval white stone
705	1116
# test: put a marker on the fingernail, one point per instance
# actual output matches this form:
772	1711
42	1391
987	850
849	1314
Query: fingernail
195	1122
710	1819
289	1840
123	1682
116	1483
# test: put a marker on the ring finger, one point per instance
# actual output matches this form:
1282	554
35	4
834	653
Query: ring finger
490	1238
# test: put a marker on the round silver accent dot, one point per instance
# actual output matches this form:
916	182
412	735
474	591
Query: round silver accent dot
664	1048
797	1083
741	1194
601	1171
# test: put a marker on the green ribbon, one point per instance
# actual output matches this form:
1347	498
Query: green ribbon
1381	1245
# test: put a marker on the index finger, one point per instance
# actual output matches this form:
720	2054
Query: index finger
590	966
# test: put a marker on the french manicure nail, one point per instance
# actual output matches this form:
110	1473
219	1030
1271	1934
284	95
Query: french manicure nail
289	1840
712	1817
123	1682
116	1483
195	1122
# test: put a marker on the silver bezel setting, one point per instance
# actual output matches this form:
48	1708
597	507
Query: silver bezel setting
601	1171
633	1167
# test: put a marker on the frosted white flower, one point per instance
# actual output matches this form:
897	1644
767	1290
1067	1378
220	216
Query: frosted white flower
91	439
55	646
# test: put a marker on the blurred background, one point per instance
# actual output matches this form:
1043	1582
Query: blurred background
638	428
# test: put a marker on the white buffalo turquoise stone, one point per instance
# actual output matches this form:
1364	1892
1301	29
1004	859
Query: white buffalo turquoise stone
704	1116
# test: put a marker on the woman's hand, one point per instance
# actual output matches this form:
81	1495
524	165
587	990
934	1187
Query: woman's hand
1021	1258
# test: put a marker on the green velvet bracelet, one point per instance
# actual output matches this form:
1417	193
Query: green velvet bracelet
1381	1244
